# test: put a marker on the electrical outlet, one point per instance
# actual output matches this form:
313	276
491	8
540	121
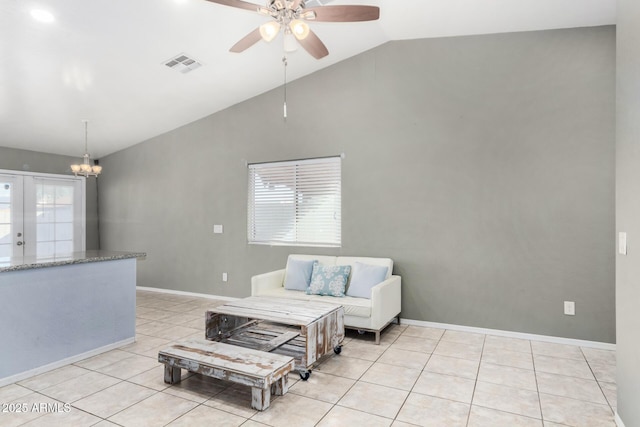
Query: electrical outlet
224	277
217	229
570	308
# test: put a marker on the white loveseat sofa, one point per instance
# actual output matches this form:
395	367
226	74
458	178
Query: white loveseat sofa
362	314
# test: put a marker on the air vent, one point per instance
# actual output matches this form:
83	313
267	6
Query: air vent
182	63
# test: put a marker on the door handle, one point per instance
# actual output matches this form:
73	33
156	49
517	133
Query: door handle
19	243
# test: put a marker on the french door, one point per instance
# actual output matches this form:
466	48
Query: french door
41	215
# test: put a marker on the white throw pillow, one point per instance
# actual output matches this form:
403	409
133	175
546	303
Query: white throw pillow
364	277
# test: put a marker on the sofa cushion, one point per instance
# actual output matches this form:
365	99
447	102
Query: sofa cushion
358	307
351	260
328	279
365	277
298	274
281	292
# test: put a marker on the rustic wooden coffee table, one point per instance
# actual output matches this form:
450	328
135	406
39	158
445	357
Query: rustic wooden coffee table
265	373
304	330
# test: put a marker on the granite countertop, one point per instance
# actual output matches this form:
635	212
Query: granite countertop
28	263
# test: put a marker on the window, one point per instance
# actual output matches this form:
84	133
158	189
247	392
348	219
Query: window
295	203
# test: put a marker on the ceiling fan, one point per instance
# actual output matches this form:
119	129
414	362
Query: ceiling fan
291	16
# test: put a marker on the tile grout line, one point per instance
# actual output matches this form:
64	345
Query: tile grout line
598	382
475	383
535	376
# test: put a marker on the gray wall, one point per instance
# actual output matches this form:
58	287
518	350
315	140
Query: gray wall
484	166
628	211
31	161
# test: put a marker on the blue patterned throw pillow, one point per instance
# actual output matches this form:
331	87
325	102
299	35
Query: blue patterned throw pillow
328	279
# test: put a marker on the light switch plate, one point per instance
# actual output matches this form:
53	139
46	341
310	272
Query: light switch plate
622	243
217	229
570	308
224	277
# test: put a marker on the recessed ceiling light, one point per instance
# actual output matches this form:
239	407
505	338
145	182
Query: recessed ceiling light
42	15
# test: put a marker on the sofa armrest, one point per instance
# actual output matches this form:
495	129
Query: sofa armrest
263	282
385	301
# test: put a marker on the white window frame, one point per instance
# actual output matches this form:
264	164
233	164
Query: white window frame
307	223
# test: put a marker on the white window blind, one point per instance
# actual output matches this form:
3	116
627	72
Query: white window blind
295	203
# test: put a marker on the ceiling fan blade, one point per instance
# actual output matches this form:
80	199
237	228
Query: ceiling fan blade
295	4
350	13
247	41
314	45
237	3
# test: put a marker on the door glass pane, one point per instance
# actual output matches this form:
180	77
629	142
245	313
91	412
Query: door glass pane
64	213
64	195
64	247
46	249
55	226
45	232
5	233
45	213
46	194
64	231
5	213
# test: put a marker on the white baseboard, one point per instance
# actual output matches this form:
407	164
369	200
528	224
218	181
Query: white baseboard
190	294
59	363
511	334
619	422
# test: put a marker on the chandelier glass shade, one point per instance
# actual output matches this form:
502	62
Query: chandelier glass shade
270	30
299	28
86	168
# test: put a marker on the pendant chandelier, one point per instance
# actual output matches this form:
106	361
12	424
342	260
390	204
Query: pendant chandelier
85	168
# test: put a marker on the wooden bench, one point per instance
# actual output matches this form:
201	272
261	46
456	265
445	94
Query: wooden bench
264	372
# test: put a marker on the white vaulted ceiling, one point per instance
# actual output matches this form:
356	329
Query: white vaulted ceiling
103	60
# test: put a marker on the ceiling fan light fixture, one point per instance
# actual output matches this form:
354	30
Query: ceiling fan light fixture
299	28
269	31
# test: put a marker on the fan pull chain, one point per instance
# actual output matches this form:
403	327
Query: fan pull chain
284	62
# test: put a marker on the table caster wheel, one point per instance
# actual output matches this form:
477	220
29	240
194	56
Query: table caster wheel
305	375
337	349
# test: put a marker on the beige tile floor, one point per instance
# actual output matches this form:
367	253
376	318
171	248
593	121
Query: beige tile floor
416	376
